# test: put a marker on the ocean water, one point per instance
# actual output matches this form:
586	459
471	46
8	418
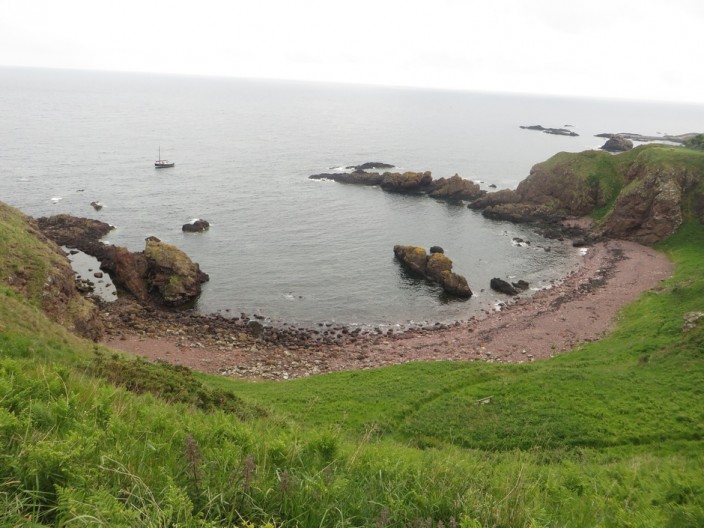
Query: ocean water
282	245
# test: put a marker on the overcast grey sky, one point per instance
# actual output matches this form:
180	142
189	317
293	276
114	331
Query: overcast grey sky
602	48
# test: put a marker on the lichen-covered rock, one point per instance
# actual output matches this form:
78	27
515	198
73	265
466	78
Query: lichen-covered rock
436	267
412	257
172	273
455	284
436	264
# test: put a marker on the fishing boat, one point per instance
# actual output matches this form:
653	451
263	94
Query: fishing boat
162	163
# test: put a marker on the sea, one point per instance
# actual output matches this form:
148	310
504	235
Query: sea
280	245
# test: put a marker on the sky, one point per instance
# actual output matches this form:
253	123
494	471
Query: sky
645	50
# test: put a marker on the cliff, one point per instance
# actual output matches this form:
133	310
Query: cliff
642	195
35	268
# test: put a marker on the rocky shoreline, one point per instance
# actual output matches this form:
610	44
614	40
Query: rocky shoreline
580	309
646	205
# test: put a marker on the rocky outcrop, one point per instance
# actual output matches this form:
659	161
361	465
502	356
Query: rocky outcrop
652	188
452	189
455	189
127	270
197	226
171	274
72	231
161	273
408	182
617	144
356	177
565	185
650	207
436	267
502	197
554	131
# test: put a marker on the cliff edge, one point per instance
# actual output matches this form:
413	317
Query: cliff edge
642	195
37	269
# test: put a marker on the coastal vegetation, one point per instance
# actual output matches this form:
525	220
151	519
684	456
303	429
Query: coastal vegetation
609	434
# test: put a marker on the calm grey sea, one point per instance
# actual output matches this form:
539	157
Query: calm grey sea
280	244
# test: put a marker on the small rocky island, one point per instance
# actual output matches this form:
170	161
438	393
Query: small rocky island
553	131
435	267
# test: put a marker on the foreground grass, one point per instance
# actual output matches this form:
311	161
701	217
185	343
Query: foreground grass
608	435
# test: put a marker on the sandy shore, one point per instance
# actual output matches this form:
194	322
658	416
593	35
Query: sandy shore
582	308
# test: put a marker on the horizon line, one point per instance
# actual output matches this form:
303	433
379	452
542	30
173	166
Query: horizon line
485	91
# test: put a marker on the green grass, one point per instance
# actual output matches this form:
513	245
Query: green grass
610	434
25	260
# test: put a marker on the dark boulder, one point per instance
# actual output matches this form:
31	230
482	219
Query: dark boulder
617	144
197	226
436	249
502	286
521	285
371	165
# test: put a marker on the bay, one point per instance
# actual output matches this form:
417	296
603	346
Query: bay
282	245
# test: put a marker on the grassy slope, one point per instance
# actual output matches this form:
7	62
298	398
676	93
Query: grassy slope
610	434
